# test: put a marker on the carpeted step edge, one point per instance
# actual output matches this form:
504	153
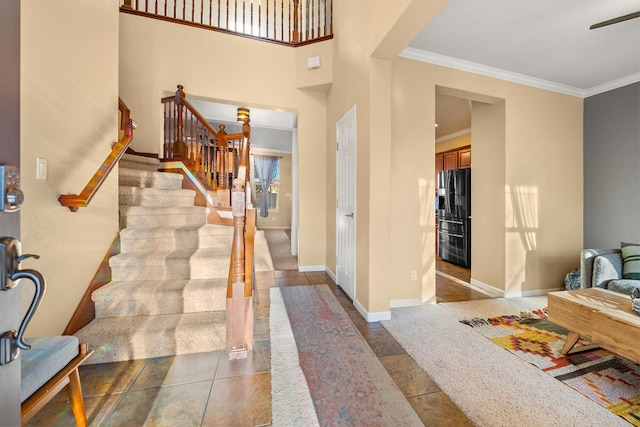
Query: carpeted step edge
147	179
138	196
175	238
117	339
151	297
181	264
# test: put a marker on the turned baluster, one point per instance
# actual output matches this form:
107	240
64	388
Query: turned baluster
179	147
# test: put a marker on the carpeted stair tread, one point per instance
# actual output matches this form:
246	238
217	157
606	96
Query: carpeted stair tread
157	216
149	297
149	179
137	196
200	263
139	162
141	337
163	210
158	258
162	232
167	238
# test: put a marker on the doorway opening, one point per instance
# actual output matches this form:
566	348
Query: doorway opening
469	150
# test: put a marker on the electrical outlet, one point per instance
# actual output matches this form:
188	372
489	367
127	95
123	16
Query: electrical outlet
414	275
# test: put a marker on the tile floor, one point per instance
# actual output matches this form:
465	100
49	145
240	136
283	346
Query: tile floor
207	389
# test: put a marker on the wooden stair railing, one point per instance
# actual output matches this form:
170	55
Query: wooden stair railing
239	313
75	201
285	22
212	155
220	160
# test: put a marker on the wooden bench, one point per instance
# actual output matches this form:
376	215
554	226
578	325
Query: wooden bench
51	364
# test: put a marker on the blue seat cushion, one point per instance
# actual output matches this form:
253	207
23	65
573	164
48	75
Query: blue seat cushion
48	355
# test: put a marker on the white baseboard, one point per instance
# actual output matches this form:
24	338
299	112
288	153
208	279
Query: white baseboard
331	274
487	289
408	302
530	293
309	268
371	317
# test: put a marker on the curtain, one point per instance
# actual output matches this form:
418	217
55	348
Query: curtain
265	167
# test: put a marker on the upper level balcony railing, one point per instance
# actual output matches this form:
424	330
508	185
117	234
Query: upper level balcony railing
288	22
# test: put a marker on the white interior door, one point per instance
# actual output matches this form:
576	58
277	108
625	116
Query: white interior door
346	202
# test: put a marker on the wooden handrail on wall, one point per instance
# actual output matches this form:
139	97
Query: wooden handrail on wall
75	201
286	22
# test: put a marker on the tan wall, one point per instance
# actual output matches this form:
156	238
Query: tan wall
317	78
453	143
226	68
542	220
488	175
69	106
359	80
281	217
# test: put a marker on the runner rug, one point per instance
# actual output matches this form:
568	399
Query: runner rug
610	380
347	382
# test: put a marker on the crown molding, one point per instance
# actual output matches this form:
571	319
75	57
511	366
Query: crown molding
614	84
472	67
453	135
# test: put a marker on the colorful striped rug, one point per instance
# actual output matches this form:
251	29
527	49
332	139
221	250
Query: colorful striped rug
610	380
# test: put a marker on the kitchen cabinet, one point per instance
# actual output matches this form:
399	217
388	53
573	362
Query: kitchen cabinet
439	166
464	158
450	160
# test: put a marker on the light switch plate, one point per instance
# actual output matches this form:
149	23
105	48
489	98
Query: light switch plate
41	168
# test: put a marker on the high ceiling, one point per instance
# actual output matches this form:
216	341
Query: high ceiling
541	43
546	40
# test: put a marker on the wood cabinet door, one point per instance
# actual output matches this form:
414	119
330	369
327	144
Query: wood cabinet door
464	158
451	160
439	166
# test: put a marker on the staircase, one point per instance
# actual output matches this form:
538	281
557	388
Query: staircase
169	283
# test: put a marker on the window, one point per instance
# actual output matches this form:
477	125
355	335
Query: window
272	191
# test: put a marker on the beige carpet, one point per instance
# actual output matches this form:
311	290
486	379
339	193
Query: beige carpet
261	253
490	385
280	248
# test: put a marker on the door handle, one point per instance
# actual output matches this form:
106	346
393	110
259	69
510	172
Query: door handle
11	342
349	215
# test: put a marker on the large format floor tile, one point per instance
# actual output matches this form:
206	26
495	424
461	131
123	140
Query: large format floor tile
207	389
240	401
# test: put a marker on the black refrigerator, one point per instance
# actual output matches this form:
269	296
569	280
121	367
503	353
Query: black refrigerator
453	216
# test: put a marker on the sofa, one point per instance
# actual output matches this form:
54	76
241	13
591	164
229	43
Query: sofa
603	268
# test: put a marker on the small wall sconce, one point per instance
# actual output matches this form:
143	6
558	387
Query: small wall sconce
243	115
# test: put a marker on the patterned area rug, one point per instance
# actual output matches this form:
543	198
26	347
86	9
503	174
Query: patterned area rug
348	384
610	380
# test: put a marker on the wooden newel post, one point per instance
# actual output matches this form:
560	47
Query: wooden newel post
239	312
127	4
179	147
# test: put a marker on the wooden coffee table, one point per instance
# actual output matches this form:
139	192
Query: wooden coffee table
601	316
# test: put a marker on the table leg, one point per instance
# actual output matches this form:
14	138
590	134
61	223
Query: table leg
572	339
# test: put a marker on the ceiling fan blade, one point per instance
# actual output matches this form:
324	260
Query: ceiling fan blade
615	20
